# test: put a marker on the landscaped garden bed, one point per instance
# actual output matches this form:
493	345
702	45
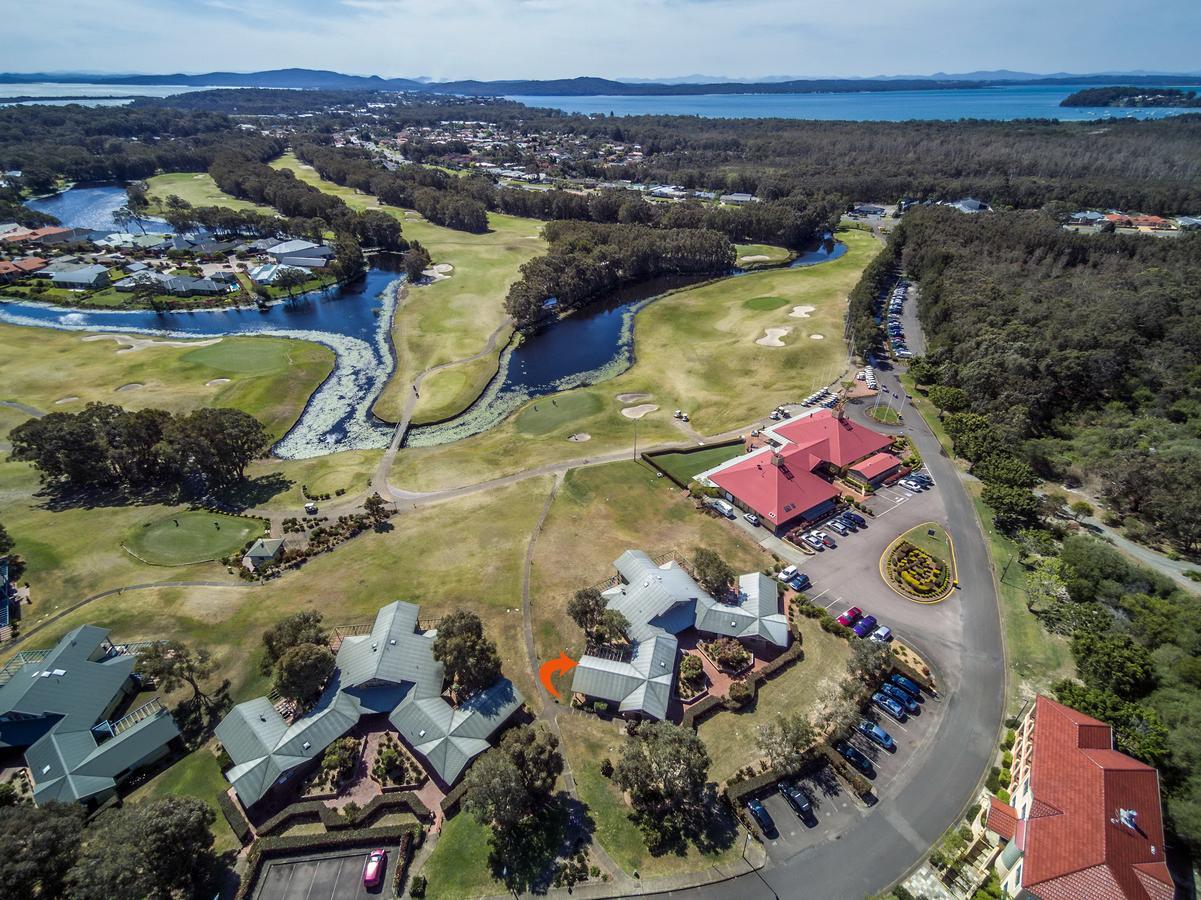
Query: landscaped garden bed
917	563
691	682
393	767
728	655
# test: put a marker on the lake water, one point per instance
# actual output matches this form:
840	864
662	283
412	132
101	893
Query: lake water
355	320
45	93
1029	101
92	206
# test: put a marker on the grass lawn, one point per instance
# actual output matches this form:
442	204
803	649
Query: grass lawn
458	867
732	737
191	536
686	466
196	775
935	544
764	304
544	418
599	513
450	319
773	253
270	378
199	189
348	471
884	414
723	380
586	741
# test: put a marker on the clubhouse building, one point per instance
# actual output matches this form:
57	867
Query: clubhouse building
789	479
388	671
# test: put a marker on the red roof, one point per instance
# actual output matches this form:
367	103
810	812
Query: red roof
1074	841
778	486
34	234
876	465
1002	818
836	441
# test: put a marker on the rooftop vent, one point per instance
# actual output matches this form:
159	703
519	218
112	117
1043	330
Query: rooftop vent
46	674
421	733
1128	817
374	647
306	745
60	671
392	642
45	769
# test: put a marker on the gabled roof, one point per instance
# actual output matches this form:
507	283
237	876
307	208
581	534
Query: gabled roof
265	548
876	465
1102	834
755	615
300	248
839	442
640	684
779	486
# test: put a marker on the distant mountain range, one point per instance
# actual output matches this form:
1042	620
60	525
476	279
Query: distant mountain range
587	86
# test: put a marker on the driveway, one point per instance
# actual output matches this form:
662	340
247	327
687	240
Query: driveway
337	877
861	854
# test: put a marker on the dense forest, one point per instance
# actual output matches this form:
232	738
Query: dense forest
1132	96
587	261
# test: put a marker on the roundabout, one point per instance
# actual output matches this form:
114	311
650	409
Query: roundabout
920	564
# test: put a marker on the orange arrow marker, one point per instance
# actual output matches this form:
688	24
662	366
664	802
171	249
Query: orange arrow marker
554	667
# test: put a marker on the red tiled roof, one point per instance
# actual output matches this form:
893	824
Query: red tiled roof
1002	818
837	441
1079	846
778	491
876	465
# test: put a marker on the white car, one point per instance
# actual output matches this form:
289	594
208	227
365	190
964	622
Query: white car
813	541
838	526
825	539
911	485
788	574
751	517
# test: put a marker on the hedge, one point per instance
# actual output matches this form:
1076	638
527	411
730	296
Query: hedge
265	849
699	710
702	708
735	792
858	783
317	811
450	803
236	818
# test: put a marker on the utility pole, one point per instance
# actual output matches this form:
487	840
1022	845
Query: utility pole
635	439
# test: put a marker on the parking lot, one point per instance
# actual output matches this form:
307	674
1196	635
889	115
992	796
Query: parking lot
322	878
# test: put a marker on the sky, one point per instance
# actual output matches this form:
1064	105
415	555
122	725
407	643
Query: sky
490	39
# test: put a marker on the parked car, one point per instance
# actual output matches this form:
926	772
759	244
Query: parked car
912	485
876	735
788	574
856	758
799	801
865	626
890	706
848	522
373	869
906	684
850	617
825	539
800	583
856	518
813	541
903	698
882	634
761	816
837	526
752	518
311	508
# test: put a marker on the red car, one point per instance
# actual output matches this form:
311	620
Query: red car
850	617
373	870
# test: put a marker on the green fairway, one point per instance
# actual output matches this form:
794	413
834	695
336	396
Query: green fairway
269	378
198	189
752	255
686	466
553	412
763	304
450	319
694	350
182	538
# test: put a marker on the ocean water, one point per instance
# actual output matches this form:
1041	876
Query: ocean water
1029	101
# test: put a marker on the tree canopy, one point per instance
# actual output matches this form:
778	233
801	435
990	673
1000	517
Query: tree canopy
298	628
712	572
470	658
302	672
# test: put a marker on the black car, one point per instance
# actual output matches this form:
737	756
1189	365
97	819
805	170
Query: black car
855	758
762	816
799	801
856	518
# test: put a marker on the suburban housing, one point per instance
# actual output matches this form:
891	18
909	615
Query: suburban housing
1085	819
389	670
789	479
660	601
59	709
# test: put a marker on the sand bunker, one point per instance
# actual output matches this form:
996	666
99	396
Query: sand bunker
438	272
817	337
130	344
216	381
580	436
132	386
632	398
65	400
772	337
637	412
801	312
759	257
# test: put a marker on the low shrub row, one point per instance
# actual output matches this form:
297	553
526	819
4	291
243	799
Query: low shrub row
236	818
860	785
333	820
450	803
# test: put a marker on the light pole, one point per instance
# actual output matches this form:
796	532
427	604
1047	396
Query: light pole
746	843
635	439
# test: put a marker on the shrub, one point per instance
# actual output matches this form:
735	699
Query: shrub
234	816
1003	795
1006	760
417	886
1011	737
728	654
606	767
741	693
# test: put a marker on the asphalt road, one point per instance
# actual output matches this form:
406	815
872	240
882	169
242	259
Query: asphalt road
962	638
318	879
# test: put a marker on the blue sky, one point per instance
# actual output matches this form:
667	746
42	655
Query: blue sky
447	39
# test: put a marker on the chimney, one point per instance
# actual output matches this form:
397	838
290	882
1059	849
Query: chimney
777	459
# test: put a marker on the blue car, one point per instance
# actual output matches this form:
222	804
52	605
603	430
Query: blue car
890	706
800	582
762	817
865	626
901	697
906	684
856	518
856	758
877	735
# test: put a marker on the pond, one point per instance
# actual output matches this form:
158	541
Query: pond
355	320
92	206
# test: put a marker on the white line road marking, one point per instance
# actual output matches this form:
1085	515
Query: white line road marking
819	596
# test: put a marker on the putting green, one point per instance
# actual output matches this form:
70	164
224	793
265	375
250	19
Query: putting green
190	537
550	412
258	359
763	304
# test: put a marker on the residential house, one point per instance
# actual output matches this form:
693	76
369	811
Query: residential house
46	234
970	205
15	269
67	711
867	209
1154	223
1084	820
1188	223
81	278
789	480
1086	217
301	253
660	602
389	671
737	198
267	273
263	552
